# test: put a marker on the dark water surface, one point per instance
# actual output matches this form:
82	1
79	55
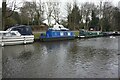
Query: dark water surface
79	58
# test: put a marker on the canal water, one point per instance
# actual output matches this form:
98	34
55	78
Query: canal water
79	58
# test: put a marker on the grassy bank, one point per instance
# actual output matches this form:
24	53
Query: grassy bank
76	33
37	34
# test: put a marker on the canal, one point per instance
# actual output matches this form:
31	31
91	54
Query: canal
79	58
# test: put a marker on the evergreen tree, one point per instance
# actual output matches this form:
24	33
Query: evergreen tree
94	22
74	18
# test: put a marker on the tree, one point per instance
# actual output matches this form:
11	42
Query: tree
69	11
39	11
100	15
49	10
3	13
116	19
107	16
10	22
56	12
86	10
74	17
94	22
16	17
33	12
8	9
27	10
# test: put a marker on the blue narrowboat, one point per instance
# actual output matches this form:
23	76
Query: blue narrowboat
58	32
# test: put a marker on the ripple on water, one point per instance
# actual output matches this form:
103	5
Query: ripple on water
89	58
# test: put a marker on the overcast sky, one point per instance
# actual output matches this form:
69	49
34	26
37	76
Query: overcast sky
115	2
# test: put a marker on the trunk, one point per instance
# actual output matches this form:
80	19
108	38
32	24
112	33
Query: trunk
48	22
3	14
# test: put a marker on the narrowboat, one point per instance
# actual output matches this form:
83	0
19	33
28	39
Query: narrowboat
89	34
58	32
16	35
115	33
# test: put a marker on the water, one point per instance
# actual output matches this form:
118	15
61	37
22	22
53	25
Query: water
85	58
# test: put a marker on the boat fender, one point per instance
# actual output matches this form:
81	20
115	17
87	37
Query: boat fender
24	40
2	44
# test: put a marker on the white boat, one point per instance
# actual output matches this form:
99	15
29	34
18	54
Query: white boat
12	36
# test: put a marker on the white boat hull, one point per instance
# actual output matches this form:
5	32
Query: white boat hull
16	40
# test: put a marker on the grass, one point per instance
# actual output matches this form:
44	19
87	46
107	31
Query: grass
76	33
36	35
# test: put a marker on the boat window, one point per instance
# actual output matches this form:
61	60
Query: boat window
61	34
28	30
14	29
7	34
13	34
23	30
68	34
59	26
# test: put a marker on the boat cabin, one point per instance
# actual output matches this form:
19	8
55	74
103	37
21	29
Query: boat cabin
9	34
22	29
57	31
16	35
52	33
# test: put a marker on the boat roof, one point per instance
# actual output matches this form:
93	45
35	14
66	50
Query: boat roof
7	31
58	28
17	26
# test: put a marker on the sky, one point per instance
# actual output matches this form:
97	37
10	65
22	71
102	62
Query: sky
115	2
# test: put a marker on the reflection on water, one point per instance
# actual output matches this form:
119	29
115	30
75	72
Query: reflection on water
89	58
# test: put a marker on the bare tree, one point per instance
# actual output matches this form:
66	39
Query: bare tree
40	11
34	11
8	8
69	11
27	11
86	12
107	16
56	11
49	11
11	7
68	8
100	15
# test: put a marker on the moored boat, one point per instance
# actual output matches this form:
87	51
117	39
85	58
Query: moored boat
115	33
16	35
58	32
89	34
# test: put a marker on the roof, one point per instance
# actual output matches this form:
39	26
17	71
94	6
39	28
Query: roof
17	26
20	26
58	27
